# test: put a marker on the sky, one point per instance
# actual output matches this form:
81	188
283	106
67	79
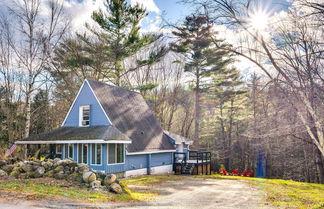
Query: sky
170	10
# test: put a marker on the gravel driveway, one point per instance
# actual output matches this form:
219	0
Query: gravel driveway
185	193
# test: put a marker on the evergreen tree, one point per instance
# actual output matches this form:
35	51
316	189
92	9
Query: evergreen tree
203	55
120	31
227	94
40	113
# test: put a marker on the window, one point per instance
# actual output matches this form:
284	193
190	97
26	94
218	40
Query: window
58	149
71	151
84	115
83	153
68	151
96	154
115	153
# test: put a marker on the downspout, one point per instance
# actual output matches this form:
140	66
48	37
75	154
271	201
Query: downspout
149	164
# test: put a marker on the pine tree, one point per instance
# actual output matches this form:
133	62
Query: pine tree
120	30
203	55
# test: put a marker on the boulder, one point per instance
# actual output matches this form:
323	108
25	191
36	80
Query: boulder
110	179
15	172
49	173
114	187
47	165
60	175
95	186
3	173
26	167
23	176
2	163
8	168
89	177
39	172
58	169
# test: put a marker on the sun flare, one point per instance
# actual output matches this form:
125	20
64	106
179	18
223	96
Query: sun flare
259	20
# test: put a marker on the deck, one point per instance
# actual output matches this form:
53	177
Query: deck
194	163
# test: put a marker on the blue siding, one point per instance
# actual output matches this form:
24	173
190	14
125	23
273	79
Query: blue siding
134	162
86	97
114	168
103	165
160	159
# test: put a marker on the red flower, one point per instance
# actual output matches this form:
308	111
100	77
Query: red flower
223	171
251	174
245	173
235	172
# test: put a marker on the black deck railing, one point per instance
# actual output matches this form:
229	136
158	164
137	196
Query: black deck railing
195	157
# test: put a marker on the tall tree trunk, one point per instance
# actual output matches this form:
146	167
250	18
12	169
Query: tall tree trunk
319	165
197	111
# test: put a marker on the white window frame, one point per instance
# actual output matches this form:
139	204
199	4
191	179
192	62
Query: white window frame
60	152
78	150
81	115
96	145
68	147
115	155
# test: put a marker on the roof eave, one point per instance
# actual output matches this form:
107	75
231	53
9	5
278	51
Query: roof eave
89	141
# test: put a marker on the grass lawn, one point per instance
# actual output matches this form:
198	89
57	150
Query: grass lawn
60	189
286	193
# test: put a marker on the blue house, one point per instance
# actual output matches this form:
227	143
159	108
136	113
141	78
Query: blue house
114	131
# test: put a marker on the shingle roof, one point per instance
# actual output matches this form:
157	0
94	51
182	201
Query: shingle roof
107	133
129	113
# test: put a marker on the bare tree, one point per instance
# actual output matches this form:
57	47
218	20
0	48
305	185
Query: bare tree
33	36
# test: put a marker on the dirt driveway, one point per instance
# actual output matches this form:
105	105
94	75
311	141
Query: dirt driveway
184	193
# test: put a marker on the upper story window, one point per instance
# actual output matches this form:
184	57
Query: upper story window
84	115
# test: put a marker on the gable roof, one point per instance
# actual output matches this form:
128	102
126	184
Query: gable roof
68	134
129	113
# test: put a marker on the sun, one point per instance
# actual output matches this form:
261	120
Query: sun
259	20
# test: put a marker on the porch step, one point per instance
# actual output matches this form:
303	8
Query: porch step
188	169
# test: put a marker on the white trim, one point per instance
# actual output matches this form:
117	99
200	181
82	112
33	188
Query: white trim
98	101
86	81
81	107
96	154
94	141
73	104
82	153
164	169
115	156
60	152
152	152
72	145
137	172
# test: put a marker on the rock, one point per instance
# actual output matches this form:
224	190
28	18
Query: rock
8	168
3	173
110	179
89	177
26	167
114	187
39	172
49	173
19	164
60	175
15	172
47	165
23	176
95	185
2	163
82	168
58	169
